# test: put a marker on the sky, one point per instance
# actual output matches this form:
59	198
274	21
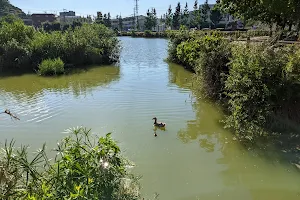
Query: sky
90	7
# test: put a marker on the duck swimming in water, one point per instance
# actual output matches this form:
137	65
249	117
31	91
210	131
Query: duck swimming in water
158	124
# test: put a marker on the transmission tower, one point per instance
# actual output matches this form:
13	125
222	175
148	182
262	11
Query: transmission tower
136	14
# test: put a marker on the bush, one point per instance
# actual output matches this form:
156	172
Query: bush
22	46
207	56
147	33
85	167
133	33
258	84
175	39
51	67
15	48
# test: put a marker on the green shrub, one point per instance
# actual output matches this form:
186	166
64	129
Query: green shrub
258	84
48	46
15	48
207	56
51	67
147	33
22	46
175	39
85	167
133	33
292	68
254	84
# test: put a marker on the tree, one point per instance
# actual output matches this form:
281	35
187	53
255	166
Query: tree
120	23
151	19
204	11
154	18
196	15
176	17
108	20
185	16
105	19
169	17
281	12
99	19
215	16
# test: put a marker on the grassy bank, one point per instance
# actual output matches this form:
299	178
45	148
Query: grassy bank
173	33
85	167
24	48
257	83
145	34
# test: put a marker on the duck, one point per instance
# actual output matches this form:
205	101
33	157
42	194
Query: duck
158	124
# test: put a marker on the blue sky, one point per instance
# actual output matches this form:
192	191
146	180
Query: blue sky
90	7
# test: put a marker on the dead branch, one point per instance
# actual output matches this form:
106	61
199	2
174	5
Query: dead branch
10	114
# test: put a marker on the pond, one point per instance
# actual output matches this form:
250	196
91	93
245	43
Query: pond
194	158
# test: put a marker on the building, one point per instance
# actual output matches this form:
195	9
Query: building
72	19
27	20
115	23
64	15
160	25
38	19
129	23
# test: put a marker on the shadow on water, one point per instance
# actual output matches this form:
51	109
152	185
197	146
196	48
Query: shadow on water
79	82
255	167
284	149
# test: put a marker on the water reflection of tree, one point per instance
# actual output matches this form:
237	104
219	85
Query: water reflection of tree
241	162
78	83
179	76
206	126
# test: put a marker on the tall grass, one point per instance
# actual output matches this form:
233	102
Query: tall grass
85	167
23	47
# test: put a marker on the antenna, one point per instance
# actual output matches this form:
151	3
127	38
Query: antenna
136	14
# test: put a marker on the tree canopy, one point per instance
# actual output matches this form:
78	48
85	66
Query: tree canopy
281	12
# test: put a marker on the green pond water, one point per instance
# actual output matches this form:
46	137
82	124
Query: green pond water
194	158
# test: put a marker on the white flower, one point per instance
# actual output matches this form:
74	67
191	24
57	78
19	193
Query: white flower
105	164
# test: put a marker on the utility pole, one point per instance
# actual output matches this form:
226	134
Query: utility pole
136	14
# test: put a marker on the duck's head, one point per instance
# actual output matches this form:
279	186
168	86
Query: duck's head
154	118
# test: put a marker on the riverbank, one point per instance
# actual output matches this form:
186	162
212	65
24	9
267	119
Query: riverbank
246	78
170	33
146	34
255	36
24	48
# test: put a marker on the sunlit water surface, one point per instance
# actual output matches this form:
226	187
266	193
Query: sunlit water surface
194	158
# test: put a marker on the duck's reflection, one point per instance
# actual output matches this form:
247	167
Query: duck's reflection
155	128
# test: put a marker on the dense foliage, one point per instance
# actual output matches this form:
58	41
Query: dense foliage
202	16
151	19
281	12
24	47
51	67
207	56
85	167
258	84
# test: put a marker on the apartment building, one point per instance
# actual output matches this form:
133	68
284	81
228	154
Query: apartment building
129	23
38	19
